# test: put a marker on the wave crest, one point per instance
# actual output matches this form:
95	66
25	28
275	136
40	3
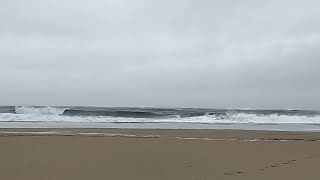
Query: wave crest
39	110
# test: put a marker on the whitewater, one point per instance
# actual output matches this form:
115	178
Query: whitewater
186	118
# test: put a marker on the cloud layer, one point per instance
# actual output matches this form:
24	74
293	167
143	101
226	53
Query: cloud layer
185	53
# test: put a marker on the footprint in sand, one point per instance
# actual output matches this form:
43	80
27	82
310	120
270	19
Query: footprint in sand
308	157
289	162
276	165
229	174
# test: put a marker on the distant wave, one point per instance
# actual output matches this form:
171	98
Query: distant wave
7	109
134	114
154	115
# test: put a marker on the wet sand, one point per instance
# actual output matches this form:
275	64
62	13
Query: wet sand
118	154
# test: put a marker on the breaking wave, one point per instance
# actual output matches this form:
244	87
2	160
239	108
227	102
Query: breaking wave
154	115
39	110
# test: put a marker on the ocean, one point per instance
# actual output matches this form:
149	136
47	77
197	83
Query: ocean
158	118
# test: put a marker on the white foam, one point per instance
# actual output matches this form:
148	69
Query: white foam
249	118
252	118
49	114
39	110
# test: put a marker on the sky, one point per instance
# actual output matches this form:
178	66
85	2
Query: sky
168	53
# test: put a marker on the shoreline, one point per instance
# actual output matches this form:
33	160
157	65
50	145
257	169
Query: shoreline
218	126
204	134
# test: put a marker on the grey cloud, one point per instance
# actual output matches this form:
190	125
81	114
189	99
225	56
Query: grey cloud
258	54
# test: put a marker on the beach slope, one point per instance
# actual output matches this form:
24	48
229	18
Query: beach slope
157	154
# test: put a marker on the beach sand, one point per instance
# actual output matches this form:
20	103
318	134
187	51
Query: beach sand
119	154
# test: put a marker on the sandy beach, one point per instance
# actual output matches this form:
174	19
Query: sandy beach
117	154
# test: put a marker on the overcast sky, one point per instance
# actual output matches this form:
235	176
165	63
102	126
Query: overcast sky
168	53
